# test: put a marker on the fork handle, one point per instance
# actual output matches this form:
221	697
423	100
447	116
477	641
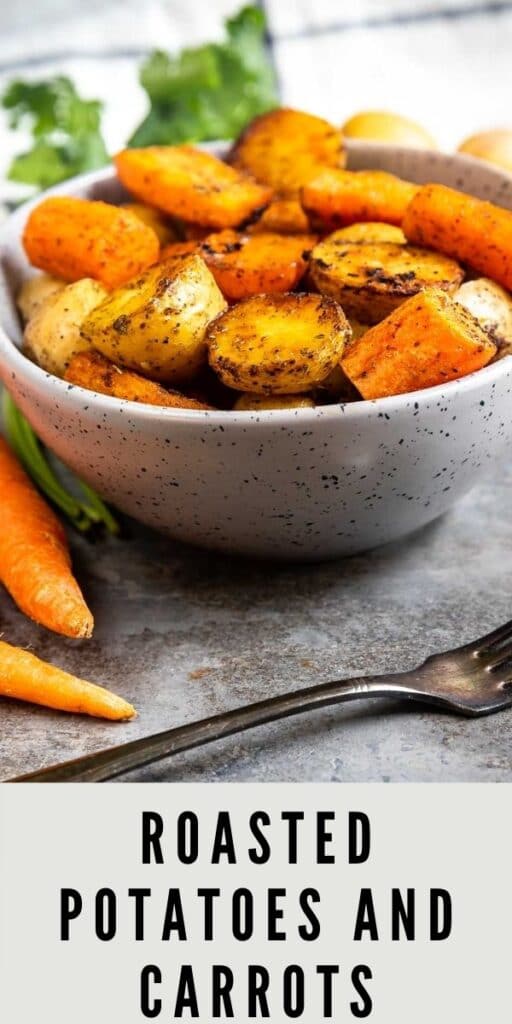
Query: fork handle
115	761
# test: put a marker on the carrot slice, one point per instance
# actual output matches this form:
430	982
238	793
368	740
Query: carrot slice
244	264
35	564
428	340
474	231
336	197
191	184
25	677
93	371
75	238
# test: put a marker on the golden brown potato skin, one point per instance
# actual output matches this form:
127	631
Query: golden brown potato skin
384	126
93	371
491	305
249	401
371	280
35	292
285	148
53	334
493	146
278	344
156	324
372	231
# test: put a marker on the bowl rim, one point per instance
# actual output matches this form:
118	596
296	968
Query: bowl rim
19	366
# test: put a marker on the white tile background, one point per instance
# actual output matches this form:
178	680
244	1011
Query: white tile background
447	63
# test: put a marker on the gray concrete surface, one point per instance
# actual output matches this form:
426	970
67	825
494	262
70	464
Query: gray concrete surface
184	634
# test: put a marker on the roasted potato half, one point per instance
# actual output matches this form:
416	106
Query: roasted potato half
35	292
372	231
369	281
278	344
93	371
250	401
491	305
156	323
192	185
52	335
285	148
244	264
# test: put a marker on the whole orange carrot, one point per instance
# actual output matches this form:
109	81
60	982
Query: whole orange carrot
25	677
35	564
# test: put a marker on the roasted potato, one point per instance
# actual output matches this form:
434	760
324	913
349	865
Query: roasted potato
284	217
285	148
277	344
250	401
372	231
35	292
428	341
191	184
336	198
93	371
491	305
244	264
493	146
52	335
383	126
76	238
369	281
156	323
164	230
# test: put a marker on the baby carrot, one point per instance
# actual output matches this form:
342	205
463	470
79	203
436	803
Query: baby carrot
35	564
25	677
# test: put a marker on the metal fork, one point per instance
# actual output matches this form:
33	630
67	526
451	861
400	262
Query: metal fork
473	680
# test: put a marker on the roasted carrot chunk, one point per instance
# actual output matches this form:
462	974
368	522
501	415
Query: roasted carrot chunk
93	371
336	197
428	340
75	238
244	265
474	231
191	184
285	148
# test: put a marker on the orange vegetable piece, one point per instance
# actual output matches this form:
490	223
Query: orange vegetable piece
75	238
474	231
94	371
175	251
35	564
283	216
336	197
245	265
285	148
428	340
191	184
25	677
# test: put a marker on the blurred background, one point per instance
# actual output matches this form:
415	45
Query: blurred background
444	63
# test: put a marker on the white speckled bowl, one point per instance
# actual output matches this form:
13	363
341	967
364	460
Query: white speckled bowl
304	484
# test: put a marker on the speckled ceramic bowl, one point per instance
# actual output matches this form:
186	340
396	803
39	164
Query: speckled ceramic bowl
304	484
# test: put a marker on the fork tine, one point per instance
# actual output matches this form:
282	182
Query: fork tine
491	640
498	654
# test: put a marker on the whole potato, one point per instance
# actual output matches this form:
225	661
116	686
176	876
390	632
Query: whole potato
493	146
52	335
35	292
384	126
156	323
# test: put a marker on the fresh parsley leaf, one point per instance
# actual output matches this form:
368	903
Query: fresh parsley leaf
212	91
66	130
